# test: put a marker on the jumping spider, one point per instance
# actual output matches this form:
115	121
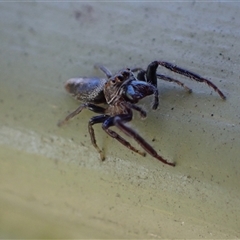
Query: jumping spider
121	92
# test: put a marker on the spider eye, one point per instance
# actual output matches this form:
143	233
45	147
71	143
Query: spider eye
126	74
120	77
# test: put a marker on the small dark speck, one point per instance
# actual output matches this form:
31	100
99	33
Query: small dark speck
172	108
77	14
86	11
212	115
153	140
32	30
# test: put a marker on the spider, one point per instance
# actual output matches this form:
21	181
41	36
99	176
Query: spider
120	93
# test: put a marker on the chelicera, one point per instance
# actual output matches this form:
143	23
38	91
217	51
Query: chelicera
120	93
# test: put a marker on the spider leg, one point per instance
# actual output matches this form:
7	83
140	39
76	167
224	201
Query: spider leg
149	75
142	76
190	75
105	70
141	73
111	122
119	122
137	69
92	121
143	113
151	78
168	79
156	100
90	106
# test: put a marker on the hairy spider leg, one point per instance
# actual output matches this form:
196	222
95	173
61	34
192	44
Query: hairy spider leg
190	75
119	120
109	122
101	119
156	99
92	121
105	70
148	76
143	113
137	69
168	79
142	76
90	106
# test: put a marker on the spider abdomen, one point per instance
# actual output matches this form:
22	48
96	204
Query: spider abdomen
86	89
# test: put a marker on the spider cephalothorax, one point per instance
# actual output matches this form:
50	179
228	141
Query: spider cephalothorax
120	92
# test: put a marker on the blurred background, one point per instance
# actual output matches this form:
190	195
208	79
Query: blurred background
52	182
